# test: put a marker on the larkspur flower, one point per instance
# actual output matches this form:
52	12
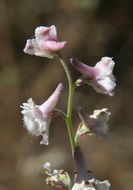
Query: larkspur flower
95	124
85	180
37	118
100	76
58	178
45	43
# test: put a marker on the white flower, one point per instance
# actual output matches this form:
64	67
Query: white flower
37	118
92	185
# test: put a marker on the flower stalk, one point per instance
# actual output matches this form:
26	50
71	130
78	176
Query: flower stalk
69	106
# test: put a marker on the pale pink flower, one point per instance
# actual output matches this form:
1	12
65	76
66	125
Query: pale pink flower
37	118
45	43
100	76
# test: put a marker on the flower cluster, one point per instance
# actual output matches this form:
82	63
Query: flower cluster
58	178
37	118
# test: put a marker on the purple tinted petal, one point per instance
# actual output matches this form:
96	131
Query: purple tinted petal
105	66
96	123
48	106
51	45
30	47
45	43
82	68
85	118
106	63
82	173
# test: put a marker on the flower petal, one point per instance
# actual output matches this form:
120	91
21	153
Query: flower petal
93	184
37	119
45	139
96	124
48	106
51	45
58	178
105	66
104	86
45	43
100	76
46	33
102	185
33	118
87	121
32	48
82	68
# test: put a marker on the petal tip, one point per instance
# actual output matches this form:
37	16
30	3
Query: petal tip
60	86
73	59
44	142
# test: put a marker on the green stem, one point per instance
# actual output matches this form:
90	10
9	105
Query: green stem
69	106
61	112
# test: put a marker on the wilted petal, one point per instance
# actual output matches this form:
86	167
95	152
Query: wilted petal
58	178
82	186
92	185
81	132
100	118
102	115
96	124
102	185
37	118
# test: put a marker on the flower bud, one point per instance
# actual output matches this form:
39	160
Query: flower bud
58	178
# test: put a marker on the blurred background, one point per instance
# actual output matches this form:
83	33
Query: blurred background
93	28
